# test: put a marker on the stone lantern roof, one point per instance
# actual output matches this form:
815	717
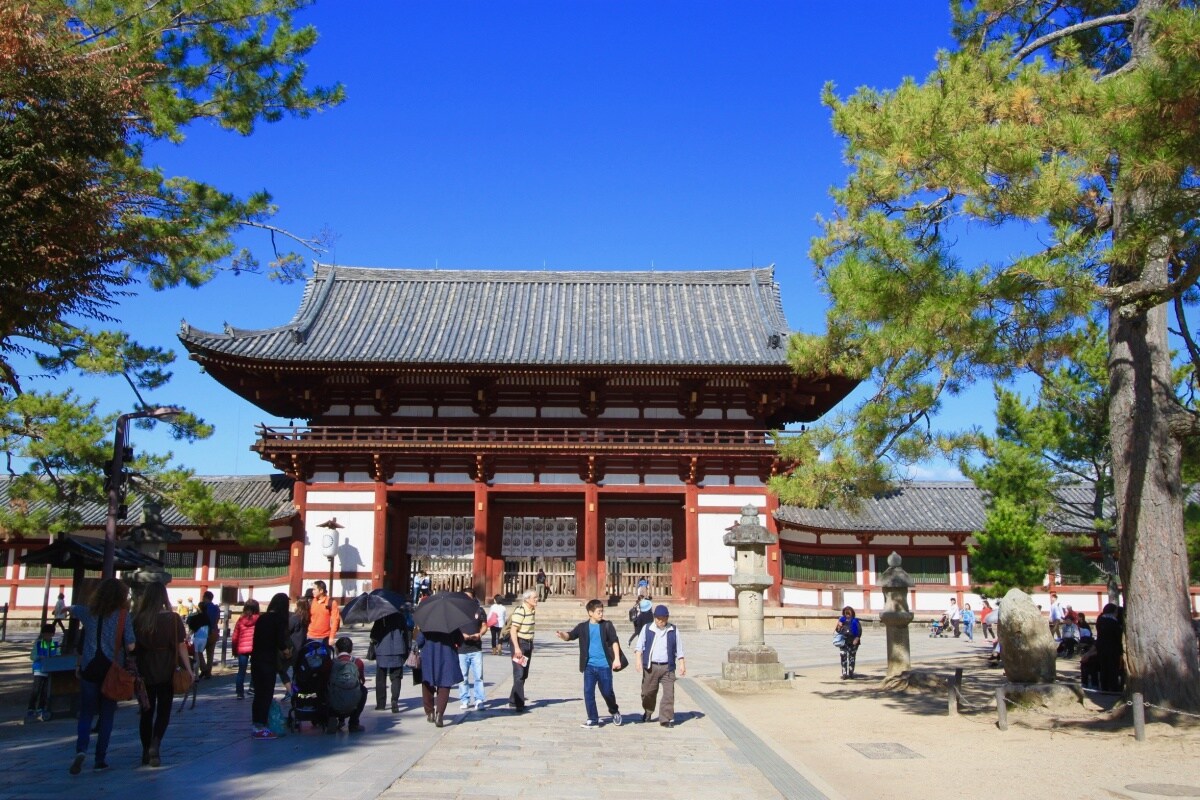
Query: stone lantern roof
747	530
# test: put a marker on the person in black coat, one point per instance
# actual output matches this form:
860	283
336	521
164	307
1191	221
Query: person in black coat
599	658
272	650
390	635
1110	648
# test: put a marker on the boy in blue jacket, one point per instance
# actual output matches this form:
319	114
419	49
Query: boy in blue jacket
39	698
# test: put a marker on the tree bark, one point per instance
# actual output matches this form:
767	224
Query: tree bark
1160	644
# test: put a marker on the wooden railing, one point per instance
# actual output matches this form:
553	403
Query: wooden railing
592	440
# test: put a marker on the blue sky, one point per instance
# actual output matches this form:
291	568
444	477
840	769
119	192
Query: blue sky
523	135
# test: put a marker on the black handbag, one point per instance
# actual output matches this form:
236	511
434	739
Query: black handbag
371	651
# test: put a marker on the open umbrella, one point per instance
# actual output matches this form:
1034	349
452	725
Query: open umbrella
372	606
445	612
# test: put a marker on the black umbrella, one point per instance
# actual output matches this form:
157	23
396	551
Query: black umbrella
372	606
445	612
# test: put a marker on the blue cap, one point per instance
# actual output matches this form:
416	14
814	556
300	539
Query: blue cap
661	611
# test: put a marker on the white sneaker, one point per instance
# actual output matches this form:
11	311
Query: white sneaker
464	706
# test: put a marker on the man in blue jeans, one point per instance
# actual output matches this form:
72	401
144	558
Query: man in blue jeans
599	658
470	657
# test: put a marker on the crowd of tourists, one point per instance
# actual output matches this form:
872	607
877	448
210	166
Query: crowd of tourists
150	651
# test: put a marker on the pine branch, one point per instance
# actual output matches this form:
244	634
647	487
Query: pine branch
1071	30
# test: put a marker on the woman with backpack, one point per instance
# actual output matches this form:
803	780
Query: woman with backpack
850	629
243	642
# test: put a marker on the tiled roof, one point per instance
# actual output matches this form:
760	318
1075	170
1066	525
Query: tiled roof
731	317
934	506
273	492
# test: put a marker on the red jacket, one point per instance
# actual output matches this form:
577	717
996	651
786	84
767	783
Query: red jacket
243	634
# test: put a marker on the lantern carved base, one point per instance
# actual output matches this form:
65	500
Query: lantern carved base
752	668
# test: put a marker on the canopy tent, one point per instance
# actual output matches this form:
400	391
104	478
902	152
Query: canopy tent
77	552
81	554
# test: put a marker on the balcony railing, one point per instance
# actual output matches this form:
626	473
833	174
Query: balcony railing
442	439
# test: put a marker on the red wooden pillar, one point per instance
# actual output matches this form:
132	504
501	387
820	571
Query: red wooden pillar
774	554
379	559
296	561
585	570
481	571
688	579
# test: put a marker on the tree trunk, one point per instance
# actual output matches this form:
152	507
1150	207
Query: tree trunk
1160	644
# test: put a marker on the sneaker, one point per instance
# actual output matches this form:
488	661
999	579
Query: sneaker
100	766
668	723
380	707
645	716
44	716
77	763
464	706
616	718
395	709
357	728
589	723
478	705
263	735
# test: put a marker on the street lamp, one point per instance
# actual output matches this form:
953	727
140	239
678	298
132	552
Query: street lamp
116	479
329	545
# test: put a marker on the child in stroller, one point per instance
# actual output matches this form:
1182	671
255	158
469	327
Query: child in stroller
939	627
307	694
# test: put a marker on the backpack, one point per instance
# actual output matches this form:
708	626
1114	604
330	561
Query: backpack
345	692
633	612
197	619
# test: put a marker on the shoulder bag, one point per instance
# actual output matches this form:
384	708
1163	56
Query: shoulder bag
118	682
181	679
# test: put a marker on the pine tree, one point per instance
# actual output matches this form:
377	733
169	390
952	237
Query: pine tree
1072	128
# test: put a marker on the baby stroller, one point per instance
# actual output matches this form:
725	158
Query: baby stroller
310	684
939	627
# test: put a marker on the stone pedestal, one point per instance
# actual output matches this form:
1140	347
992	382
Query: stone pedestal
751	665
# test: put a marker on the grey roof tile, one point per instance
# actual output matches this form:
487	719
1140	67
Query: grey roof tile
273	492
932	506
683	318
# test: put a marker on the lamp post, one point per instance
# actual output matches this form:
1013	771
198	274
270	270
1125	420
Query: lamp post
329	545
116	479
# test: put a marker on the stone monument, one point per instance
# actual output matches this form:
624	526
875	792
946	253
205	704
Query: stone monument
896	616
751	665
151	537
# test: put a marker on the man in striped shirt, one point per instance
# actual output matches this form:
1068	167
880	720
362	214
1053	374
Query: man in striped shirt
521	633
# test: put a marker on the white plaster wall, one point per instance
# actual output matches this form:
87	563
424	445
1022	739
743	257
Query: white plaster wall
562	413
710	590
715	556
356	543
732	500
317	496
515	412
522	478
804	537
562	479
892	540
663	480
793	596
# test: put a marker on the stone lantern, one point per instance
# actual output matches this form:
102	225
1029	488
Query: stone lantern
151	537
896	616
751	665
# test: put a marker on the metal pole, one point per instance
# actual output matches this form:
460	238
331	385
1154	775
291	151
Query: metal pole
331	595
115	477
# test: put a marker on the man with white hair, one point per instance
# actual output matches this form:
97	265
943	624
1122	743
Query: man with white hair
520	633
